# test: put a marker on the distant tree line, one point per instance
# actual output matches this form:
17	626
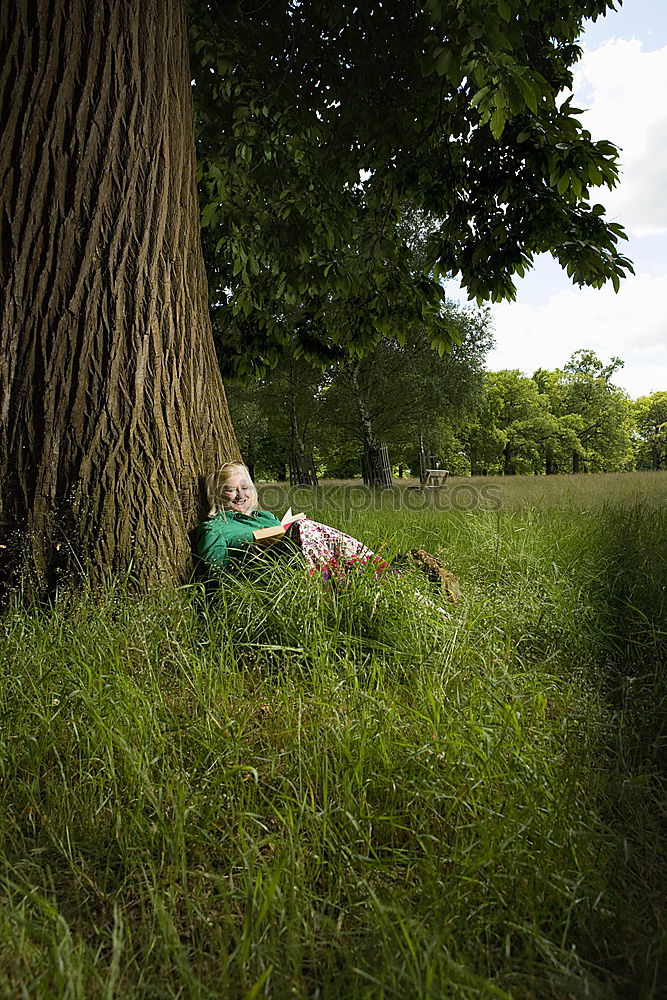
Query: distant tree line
474	422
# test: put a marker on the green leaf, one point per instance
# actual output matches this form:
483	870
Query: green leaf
529	94
498	122
479	96
443	62
209	213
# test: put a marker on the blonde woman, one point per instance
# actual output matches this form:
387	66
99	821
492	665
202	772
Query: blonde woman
226	537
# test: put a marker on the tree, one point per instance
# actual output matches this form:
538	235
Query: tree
650	414
558	437
583	396
506	433
253	430
111	404
573	418
111	401
397	391
277	414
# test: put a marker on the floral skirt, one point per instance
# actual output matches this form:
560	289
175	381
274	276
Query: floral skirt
333	554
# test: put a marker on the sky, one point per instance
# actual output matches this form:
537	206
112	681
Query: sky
621	82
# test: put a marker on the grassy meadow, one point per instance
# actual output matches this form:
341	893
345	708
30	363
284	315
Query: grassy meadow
276	790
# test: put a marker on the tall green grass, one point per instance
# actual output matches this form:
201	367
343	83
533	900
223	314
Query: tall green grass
277	790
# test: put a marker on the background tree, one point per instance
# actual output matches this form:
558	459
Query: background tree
650	414
506	432
257	441
597	411
400	390
558	439
571	419
277	413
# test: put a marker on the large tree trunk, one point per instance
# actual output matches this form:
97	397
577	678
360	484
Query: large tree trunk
111	402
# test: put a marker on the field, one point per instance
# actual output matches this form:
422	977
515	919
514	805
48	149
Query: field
275	790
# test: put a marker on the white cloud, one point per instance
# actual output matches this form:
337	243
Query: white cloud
631	325
623	87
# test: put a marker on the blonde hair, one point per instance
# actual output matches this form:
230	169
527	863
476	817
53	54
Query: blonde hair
216	482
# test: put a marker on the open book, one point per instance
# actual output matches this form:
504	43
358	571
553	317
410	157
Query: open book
267	536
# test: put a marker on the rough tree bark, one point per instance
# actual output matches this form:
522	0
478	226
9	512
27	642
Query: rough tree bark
111	401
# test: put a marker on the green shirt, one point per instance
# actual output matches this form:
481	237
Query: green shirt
226	536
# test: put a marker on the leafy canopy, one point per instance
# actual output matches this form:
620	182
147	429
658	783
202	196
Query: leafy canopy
320	125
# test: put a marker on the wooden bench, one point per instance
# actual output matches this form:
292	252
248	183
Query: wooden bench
434	479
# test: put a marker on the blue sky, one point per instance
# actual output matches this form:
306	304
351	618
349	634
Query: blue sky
621	81
645	19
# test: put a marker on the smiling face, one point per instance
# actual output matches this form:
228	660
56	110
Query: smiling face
231	488
237	492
